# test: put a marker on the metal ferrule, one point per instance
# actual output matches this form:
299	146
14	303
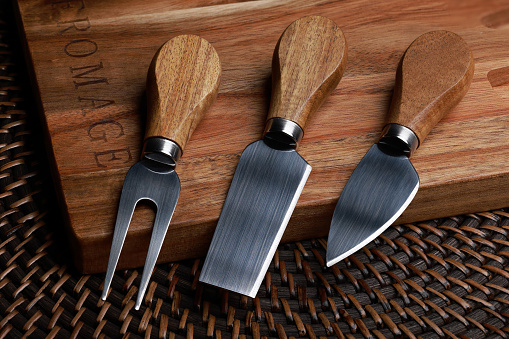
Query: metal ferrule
399	139
283	133
161	150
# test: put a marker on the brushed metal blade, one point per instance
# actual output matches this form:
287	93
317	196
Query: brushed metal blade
145	180
378	191
263	193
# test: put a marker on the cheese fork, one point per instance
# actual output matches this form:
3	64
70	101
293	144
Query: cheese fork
182	83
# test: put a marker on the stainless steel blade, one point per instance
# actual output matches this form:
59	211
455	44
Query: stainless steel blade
145	180
379	190
264	191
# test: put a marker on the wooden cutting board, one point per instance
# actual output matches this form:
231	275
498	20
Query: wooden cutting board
90	61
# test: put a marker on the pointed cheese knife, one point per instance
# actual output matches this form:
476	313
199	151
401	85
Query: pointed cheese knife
433	76
182	83
307	65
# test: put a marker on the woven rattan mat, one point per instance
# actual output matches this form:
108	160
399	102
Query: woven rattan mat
435	279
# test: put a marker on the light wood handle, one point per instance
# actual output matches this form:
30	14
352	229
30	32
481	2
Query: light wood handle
433	76
309	60
182	83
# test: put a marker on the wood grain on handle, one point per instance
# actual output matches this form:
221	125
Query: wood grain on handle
182	83
309	60
433	76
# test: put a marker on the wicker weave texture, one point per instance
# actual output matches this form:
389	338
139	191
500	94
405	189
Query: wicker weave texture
435	279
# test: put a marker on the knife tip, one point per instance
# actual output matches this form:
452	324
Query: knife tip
333	261
223	284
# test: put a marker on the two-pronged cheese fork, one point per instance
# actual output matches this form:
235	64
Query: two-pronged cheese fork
182	83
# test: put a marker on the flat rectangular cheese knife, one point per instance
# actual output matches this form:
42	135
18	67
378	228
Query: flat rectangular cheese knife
182	82
432	77
308	62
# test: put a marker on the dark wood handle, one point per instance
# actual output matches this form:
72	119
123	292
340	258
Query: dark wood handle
433	76
309	60
182	83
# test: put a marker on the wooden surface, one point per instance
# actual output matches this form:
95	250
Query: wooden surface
433	76
176	100
90	61
308	63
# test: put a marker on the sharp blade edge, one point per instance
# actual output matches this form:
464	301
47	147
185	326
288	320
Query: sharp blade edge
262	196
378	191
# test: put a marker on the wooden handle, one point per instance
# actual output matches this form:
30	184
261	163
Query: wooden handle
433	76
182	83
309	60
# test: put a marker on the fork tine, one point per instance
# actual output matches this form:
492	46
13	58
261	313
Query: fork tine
161	223
125	212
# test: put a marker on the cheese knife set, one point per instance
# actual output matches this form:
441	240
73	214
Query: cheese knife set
309	60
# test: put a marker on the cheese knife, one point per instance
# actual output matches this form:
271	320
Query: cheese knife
434	74
308	62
